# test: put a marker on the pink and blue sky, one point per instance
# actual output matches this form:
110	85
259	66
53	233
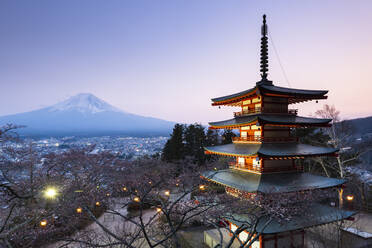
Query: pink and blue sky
167	58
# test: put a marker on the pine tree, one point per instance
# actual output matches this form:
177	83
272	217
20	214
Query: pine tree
227	136
174	148
195	141
212	137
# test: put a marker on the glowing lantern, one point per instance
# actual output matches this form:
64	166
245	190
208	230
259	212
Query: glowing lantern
350	197
167	193
202	187
43	223
136	199
50	193
158	210
124	188
98	204
79	210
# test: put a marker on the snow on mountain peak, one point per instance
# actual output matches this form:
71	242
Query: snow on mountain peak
85	103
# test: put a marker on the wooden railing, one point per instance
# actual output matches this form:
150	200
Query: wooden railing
244	167
247	112
251	168
253	138
260	110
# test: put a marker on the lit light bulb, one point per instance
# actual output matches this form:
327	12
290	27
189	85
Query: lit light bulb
136	199
79	210
98	204
43	223
350	197
167	193
50	193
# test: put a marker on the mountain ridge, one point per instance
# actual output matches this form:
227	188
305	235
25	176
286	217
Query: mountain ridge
86	115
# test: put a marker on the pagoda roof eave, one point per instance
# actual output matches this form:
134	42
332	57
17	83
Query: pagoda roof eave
284	182
275	119
316	214
234	98
295	95
271	150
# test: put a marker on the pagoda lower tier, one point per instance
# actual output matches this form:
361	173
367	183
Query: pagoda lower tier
238	182
317	214
270	119
291	234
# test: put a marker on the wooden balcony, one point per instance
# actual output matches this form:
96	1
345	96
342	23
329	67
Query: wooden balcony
245	167
260	139
259	170
260	110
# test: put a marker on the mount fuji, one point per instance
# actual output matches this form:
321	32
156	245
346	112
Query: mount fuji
86	115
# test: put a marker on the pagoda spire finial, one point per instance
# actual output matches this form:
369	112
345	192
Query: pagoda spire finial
264	50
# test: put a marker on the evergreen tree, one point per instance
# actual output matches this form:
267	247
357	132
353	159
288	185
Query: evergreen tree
211	137
194	142
227	136
174	148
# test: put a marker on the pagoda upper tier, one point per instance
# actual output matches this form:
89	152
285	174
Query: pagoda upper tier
266	88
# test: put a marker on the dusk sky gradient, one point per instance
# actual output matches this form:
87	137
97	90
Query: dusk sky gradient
166	59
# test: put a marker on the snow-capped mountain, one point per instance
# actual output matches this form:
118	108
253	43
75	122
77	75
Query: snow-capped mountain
85	114
84	103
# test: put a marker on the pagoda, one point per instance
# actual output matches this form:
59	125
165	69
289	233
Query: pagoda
266	156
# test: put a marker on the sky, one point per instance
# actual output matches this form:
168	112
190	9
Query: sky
168	58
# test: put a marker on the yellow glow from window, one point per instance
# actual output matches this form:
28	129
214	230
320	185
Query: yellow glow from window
350	197
43	223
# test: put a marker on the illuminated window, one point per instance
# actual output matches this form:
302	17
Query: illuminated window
241	161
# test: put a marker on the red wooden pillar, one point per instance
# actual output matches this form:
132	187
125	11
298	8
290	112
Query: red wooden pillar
262	245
